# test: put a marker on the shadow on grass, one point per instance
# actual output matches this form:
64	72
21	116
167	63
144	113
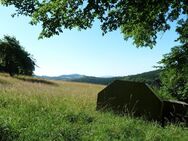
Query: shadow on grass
4	82
8	133
36	80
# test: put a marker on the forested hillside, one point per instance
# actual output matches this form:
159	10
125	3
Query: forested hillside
151	77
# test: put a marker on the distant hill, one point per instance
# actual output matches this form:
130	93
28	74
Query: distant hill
63	77
82	78
96	80
151	77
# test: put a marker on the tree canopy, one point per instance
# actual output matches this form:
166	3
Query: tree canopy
14	59
137	19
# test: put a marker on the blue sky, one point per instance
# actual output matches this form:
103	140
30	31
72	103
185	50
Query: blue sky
84	52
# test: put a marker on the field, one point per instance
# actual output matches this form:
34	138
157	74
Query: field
38	110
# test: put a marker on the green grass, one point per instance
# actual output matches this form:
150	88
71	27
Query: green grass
66	112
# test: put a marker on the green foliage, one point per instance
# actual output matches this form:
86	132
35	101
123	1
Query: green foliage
140	20
14	59
183	31
174	74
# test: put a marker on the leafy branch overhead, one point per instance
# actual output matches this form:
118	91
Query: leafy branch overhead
137	19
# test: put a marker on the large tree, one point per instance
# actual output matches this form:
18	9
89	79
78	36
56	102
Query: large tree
14	59
137	19
174	76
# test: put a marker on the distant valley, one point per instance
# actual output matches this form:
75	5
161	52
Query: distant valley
151	77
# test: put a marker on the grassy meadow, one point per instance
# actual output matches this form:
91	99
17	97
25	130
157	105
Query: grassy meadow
39	110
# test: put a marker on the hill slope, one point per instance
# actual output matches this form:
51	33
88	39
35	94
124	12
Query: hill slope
151	77
146	76
36	109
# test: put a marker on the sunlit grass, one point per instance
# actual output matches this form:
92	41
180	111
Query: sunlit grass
66	111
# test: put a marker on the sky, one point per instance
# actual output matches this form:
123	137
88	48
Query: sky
84	52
